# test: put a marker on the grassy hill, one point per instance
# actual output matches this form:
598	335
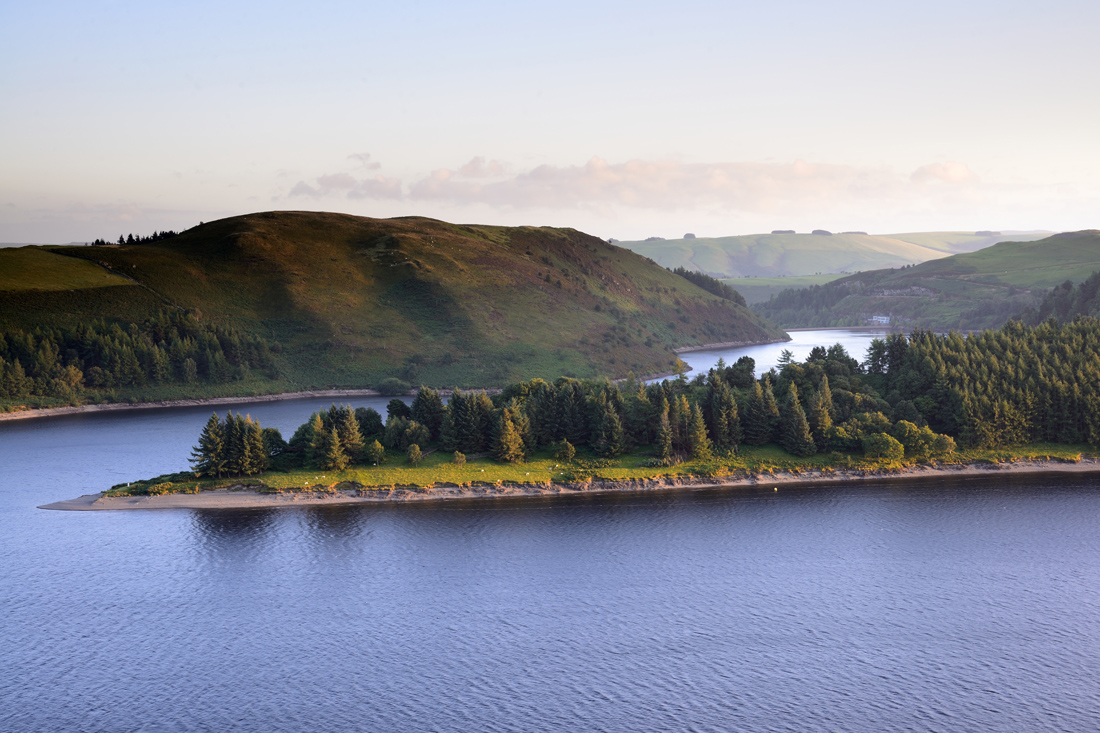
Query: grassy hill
966	291
784	255
760	289
349	301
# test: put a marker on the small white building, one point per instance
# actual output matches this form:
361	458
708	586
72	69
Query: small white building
879	320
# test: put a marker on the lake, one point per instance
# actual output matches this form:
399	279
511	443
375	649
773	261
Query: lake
947	604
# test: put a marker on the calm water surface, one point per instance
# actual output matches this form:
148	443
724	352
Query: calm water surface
970	604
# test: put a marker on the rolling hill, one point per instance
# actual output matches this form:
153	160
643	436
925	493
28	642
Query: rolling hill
967	291
784	255
349	301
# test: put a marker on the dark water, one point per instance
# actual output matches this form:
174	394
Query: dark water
934	605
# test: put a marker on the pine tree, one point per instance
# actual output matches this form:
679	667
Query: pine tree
208	457
664	434
334	457
818	418
757	424
254	457
610	437
794	430
234	444
698	442
427	409
508	445
565	451
351	439
318	446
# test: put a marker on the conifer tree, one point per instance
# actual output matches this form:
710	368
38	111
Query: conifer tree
208	457
318	445
818	418
794	430
415	456
234	444
698	442
565	451
664	434
334	457
508	445
756	424
427	409
351	439
253	456
610	438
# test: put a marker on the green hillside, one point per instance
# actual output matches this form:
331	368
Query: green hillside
760	289
968	291
784	255
349	301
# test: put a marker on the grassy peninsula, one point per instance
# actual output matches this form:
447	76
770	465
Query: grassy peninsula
290	301
921	402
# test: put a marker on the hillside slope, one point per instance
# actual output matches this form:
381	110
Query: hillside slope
349	301
784	255
968	291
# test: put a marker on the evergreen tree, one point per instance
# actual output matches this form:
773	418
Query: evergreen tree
819	419
318	441
351	439
427	409
254	458
565	451
698	442
459	459
757	423
208	457
334	458
610	437
370	423
234	444
794	429
508	445
415	456
664	434
397	408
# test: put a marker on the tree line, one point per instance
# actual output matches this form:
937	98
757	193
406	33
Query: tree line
170	347
712	285
131	239
825	404
998	388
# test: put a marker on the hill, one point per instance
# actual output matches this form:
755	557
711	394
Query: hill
968	291
346	301
783	255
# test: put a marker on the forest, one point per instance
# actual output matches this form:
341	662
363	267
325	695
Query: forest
825	404
95	358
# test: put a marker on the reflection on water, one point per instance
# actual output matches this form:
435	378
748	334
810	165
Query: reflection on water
766	356
961	604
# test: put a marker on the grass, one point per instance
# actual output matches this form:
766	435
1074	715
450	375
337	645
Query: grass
438	469
786	255
353	301
37	268
967	291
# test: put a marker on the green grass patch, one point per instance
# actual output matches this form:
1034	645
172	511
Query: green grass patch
38	268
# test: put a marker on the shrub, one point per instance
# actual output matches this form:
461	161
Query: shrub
881	445
565	451
393	387
460	459
415	456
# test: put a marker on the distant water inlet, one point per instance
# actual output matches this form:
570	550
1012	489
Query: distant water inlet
766	356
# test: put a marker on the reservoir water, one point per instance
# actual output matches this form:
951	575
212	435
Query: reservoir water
964	604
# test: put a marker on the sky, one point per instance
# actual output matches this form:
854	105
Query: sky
621	119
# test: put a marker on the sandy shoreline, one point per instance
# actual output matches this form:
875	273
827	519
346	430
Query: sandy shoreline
246	498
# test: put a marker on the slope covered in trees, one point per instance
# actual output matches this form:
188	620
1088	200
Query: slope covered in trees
343	301
967	292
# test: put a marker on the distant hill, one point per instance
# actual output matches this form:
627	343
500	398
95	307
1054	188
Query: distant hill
968	291
783	255
349	301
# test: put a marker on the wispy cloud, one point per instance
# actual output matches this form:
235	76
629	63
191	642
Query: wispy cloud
378	187
949	172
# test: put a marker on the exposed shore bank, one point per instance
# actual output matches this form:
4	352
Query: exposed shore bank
245	497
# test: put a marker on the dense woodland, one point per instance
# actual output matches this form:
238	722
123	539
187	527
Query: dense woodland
98	357
825	404
1067	301
712	285
998	388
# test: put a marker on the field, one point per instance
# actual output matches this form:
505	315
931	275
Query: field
785	255
37	268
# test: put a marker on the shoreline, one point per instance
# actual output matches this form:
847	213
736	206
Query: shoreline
242	497
39	412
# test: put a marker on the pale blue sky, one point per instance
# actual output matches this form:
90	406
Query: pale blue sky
621	119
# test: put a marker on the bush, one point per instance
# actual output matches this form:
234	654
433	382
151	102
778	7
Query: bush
393	387
881	445
460	459
565	451
415	456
